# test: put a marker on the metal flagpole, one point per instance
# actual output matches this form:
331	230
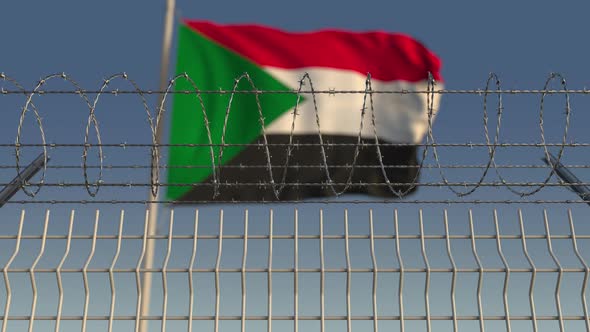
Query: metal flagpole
153	207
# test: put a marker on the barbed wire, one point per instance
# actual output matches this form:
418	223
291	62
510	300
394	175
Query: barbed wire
426	166
295	92
277	180
125	145
306	201
262	184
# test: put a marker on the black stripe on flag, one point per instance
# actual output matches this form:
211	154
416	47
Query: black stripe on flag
253	183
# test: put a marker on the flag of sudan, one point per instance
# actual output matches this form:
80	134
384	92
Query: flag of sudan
279	145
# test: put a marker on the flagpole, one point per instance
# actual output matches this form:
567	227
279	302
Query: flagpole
152	205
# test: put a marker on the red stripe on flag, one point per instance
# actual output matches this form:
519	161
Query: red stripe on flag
387	56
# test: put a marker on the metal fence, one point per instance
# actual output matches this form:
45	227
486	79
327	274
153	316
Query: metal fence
492	240
287	280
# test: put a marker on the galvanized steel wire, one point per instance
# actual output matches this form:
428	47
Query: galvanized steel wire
377	316
404	272
430	146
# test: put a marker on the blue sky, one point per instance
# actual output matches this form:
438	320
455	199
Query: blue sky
92	41
521	44
521	41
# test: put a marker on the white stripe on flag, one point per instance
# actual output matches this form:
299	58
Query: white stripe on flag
400	118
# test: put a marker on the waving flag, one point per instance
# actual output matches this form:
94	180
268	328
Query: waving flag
261	148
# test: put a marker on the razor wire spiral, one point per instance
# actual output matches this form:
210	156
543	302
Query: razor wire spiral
492	136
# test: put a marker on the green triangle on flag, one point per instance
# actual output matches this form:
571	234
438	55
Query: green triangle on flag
213	67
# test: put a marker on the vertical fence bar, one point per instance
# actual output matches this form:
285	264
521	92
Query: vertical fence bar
586	270
138	315
111	272
560	272
244	286
374	265
7	267
322	274
348	272
191	300
480	272
534	273
454	269
32	272
217	266
401	273
85	272
58	273
427	279
165	272
269	276
296	270
506	275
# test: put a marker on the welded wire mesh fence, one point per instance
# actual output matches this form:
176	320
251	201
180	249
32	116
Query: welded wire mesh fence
496	242
288	277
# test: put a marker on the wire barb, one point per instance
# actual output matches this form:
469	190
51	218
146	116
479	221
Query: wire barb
277	180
